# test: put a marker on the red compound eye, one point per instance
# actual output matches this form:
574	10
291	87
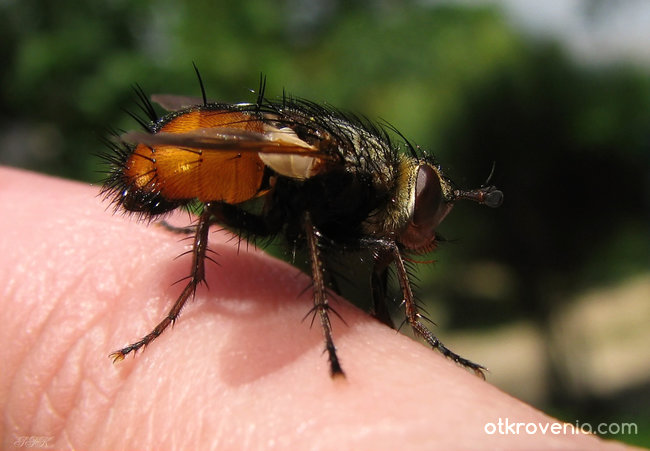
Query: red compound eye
428	196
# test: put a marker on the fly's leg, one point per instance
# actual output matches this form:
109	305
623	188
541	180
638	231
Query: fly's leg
413	317
321	305
197	276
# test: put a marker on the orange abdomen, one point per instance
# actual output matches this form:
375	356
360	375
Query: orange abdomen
180	173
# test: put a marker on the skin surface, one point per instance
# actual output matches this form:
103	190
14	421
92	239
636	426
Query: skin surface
239	370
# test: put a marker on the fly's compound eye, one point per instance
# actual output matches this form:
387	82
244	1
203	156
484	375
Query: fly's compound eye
429	209
428	195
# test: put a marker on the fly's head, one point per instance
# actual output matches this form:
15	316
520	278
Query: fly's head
430	197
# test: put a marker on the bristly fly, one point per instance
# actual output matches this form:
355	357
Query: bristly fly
321	178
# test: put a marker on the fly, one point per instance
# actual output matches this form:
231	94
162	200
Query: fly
316	176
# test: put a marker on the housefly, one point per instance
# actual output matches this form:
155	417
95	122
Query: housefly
322	179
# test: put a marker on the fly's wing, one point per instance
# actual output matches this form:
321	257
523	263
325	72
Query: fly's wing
226	138
279	148
212	153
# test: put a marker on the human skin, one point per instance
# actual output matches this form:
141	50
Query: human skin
239	370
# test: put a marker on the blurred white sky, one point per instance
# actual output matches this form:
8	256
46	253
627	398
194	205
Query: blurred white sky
596	31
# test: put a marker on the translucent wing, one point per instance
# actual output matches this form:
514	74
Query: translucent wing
223	163
280	141
278	148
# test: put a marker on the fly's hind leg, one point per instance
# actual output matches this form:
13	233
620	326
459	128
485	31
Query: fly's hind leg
321	304
413	316
196	276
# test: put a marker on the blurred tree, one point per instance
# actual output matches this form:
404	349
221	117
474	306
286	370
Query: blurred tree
572	148
70	65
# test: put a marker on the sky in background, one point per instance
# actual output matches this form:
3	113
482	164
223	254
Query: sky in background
595	31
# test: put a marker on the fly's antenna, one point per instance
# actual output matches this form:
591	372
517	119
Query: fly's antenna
198	75
488	195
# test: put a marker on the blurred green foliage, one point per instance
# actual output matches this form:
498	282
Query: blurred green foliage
570	143
71	66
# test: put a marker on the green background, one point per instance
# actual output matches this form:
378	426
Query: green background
570	143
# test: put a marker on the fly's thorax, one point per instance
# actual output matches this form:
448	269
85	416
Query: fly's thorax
330	142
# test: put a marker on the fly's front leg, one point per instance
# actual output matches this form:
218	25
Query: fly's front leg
413	316
321	305
197	275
